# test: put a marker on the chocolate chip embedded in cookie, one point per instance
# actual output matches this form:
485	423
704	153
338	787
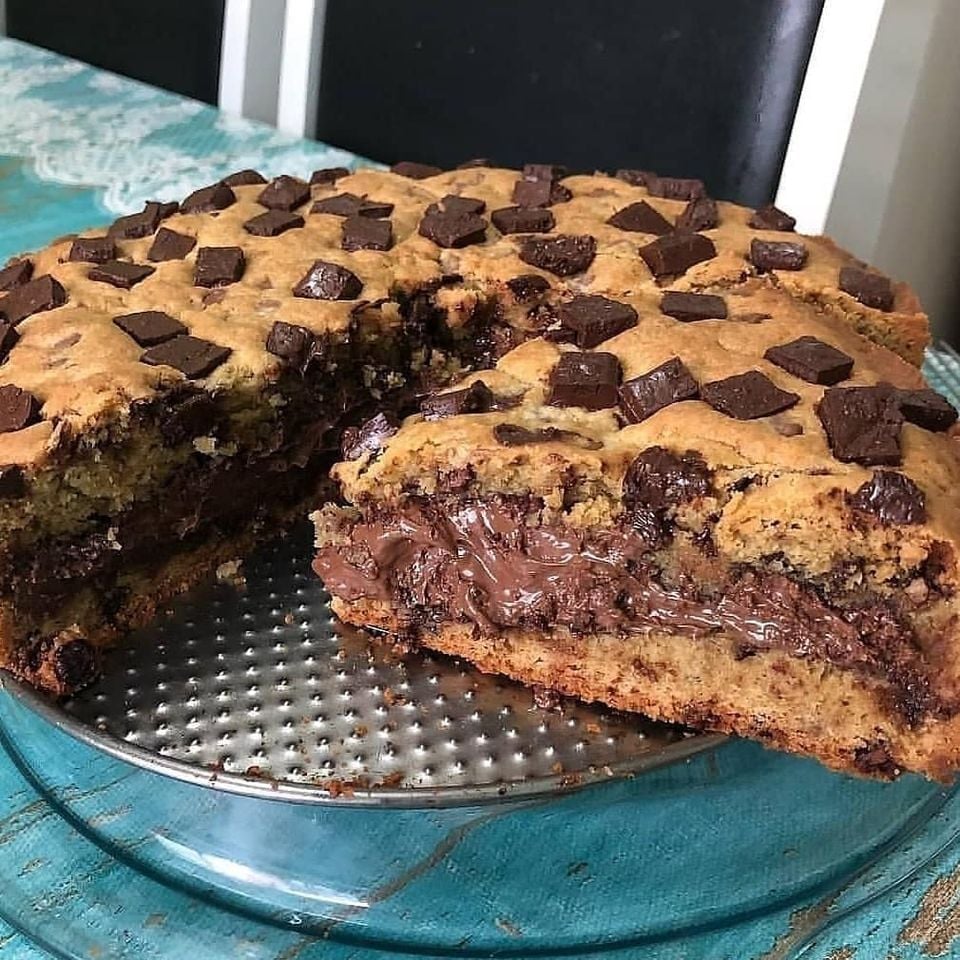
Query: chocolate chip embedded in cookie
218	196
862	424
593	319
92	250
284	193
150	327
588	380
747	396
522	220
328	281
668	383
192	356
872	289
362	233
771	218
515	435
892	498
18	408
477	398
563	255
273	223
415	171
928	409
812	360
170	245
290	342
778	255
675	253
15	274
453	229
689	307
659	479
244	178
34	296
369	436
528	286
640	217
120	273
219	266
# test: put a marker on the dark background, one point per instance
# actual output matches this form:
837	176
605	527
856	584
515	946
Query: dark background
690	88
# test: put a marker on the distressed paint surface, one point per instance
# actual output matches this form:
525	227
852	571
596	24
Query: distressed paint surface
80	146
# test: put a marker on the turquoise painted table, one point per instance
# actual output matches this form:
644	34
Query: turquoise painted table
745	854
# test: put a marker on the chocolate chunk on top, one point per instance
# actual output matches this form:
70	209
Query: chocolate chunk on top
669	383
674	253
778	254
328	175
543	171
18	408
593	319
926	408
689	307
872	289
290	342
539	193
588	380
862	424
640	217
218	196
244	178
8	340
170	245
812	360
328	281
369	436
35	296
92	250
636	178
563	255
273	223
675	188
659	479
15	275
150	327
192	356
455	204
141	224
771	218
120	273
362	233
699	214
415	171
528	287
522	220
453	230
892	498
747	396
477	398
284	193
350	205
218	266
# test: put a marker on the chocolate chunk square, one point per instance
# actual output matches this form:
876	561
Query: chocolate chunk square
689	307
640	217
588	380
362	233
477	398
862	424
15	275
284	193
150	327
563	255
328	281
369	436
594	319
457	205
8	339
192	356
142	224
244	178
415	171
675	188
747	396
453	229
539	193
92	250
812	360
218	266
327	175
870	288
699	214
636	178
18	408
544	171
290	342
669	383
218	196
340	205
35	296
170	245
120	273
926	408
528	287
771	218
778	255
675	253
522	220
891	498
273	223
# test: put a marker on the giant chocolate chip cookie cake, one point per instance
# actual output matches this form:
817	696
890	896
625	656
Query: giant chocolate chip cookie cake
660	451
